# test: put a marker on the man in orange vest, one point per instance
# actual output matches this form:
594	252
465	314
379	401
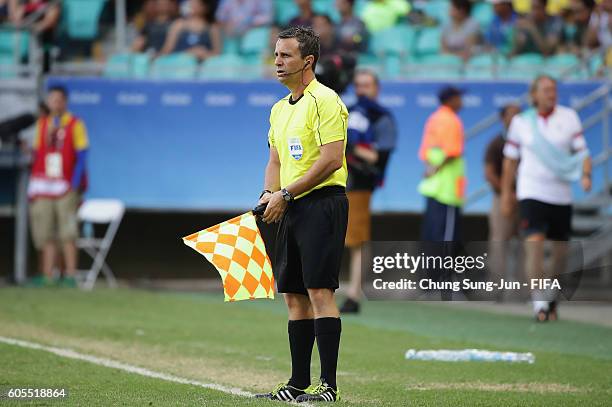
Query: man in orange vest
57	181
444	183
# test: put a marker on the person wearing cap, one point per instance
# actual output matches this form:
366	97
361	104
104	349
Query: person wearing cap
500	32
444	181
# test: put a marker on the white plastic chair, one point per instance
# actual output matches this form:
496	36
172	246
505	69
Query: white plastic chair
100	211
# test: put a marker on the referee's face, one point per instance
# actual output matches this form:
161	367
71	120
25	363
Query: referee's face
288	61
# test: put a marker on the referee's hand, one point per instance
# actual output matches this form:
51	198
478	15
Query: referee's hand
275	209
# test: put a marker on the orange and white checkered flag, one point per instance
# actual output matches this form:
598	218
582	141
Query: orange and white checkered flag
236	249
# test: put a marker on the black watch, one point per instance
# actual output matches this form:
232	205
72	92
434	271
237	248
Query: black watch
287	195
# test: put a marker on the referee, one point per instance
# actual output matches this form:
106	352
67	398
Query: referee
304	190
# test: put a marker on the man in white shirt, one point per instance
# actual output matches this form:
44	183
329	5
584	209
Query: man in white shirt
543	185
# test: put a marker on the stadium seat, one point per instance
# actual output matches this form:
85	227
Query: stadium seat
370	62
7	67
99	211
81	17
442	66
398	40
438	9
140	65
428	41
483	13
284	11
118	66
523	67
14	39
127	65
255	41
175	66
564	66
484	66
226	67
326	7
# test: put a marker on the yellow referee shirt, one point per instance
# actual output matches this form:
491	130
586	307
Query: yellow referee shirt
298	129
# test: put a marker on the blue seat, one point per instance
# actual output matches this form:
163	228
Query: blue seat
10	40
127	65
564	65
438	9
255	41
524	67
398	40
228	67
484	66
428	41
81	18
439	67
118	66
285	10
483	13
175	66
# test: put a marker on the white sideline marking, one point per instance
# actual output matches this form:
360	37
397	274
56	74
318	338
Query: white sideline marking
68	353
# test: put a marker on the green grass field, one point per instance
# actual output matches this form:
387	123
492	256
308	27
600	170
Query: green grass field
244	345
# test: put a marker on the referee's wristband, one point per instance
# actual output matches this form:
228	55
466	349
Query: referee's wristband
265	191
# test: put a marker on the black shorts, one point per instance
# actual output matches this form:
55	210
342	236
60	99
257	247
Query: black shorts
310	241
555	221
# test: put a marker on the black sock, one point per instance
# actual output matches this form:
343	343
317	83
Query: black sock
301	340
328	331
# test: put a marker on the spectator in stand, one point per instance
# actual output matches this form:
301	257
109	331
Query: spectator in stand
381	14
462	33
45	24
153	35
352	32
194	34
600	26
238	16
57	181
576	26
336	67
500	33
537	32
4	10
304	18
323	25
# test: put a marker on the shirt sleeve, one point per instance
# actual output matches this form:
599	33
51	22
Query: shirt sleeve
81	142
578	141
271	141
330	120
513	142
386	134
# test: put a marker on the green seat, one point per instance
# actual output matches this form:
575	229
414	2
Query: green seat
140	65
428	41
14	39
370	62
484	66
326	7
524	67
175	66
81	18
224	67
438	9
255	41
398	40
439	66
127	65
564	65
118	66
483	13
285	10
7	67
